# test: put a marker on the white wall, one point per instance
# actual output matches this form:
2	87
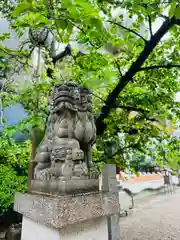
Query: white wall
90	230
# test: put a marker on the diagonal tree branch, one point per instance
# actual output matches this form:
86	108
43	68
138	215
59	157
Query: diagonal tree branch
126	78
67	51
109	103
168	66
128	29
164	16
59	57
177	21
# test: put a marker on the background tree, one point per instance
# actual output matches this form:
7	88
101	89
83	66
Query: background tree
118	49
130	61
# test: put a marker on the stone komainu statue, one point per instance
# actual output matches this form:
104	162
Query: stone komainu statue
65	151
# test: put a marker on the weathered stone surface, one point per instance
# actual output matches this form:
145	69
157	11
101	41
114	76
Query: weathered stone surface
62	187
109	181
109	184
114	227
66	210
65	151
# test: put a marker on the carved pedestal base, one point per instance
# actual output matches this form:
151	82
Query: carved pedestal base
79	217
56	187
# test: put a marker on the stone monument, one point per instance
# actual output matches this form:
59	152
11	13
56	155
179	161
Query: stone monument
63	160
65	201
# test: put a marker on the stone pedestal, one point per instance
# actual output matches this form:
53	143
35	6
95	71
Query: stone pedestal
81	217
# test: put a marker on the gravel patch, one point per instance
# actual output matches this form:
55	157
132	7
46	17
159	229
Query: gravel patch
156	219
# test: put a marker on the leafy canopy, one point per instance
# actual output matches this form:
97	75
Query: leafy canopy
131	61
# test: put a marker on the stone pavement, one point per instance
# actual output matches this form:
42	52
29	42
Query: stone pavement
157	219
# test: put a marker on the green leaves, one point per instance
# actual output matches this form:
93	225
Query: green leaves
167	152
92	62
106	47
10	183
4	36
172	9
177	11
22	8
63	16
34	20
14	159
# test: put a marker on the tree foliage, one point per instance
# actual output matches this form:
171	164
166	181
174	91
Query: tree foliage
14	159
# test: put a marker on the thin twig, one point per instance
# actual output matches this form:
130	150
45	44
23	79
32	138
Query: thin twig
118	3
150	25
129	108
154	4
117	64
82	30
128	29
16	57
19	68
23	44
78	27
97	96
168	66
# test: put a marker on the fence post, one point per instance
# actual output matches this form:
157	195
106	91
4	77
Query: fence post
109	184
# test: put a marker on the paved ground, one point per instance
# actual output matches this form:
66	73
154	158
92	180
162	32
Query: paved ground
155	219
